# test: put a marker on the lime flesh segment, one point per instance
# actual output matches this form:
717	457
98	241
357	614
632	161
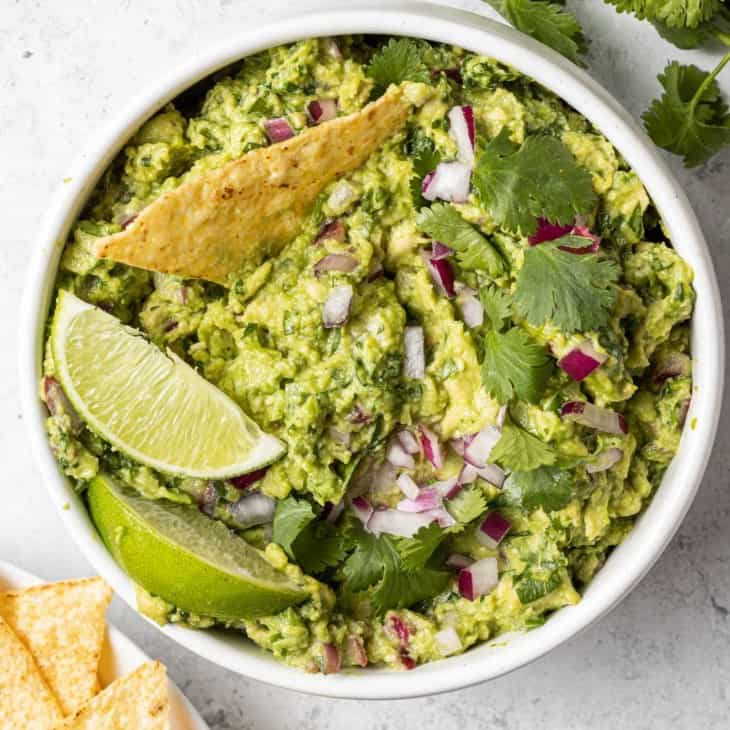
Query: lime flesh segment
196	563
149	404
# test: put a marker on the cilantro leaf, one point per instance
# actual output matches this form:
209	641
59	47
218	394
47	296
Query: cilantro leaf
547	487
519	450
573	290
539	179
690	118
424	157
319	545
401	589
497	305
531	588
546	22
399	60
291	517
673	13
467	505
442	222
416	551
514	366
364	566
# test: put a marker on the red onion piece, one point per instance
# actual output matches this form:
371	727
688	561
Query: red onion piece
461	130
439	251
330	658
277	130
251	510
601	419
336	309
477	452
426	499
399	523
672	366
244	481
398	629
448	641
355	654
459	444
59	405
331	512
442	274
461	288
321	110
341	262
493	530
363	509
472	311
492	473
468	474
341	196
450	181
431	447
547	231
414	362
448	488
127	220
359	415
408	441
331	230
398	456
208	500
407	662
581	361
479	578
409	488
440	515
605	460
458	561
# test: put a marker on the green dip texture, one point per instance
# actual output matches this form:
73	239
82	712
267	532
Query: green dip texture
570	489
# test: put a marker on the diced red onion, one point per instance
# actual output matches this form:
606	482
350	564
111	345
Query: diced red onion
252	509
478	450
398	456
426	499
605	460
547	231
468	474
409	488
461	130
331	512
458	561
333	230
363	509
472	311
448	641
581	361
493	529
408	441
440	515
58	404
448	488
341	262
439	251
399	523
279	129
359	415
336	309
454	74
321	110
459	444
583	232
442	275
492	474
355	653
431	447
398	629
341	196
208	499
601	419
676	364
246	480
414	362
479	578
330	658
461	288
450	181
407	662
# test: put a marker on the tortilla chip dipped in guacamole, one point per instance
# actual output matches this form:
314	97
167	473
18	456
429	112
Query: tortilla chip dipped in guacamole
470	349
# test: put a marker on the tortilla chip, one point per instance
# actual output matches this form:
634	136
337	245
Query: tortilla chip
25	700
213	224
62	624
138	701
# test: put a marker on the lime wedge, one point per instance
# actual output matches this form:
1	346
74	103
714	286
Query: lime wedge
175	552
149	404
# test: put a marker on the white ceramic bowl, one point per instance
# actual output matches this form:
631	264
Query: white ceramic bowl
628	564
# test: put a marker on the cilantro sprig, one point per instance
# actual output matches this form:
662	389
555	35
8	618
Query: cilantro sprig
399	60
518	450
538	179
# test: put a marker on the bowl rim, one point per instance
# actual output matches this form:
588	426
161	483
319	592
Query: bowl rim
628	563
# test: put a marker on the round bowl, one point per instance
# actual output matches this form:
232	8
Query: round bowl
628	563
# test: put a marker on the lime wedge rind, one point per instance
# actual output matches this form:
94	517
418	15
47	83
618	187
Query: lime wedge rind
148	404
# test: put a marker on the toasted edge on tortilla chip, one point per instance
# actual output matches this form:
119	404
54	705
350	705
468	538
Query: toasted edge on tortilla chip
25	699
62	625
215	223
138	701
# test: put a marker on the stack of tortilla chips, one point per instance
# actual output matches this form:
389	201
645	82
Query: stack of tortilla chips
51	639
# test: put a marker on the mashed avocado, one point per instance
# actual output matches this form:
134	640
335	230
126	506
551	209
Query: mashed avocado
568	485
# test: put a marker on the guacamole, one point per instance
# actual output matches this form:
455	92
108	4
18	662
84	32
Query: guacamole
476	350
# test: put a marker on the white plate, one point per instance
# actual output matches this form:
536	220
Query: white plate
119	656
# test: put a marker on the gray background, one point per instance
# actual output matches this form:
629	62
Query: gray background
659	660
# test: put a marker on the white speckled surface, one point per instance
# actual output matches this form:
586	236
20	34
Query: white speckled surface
660	660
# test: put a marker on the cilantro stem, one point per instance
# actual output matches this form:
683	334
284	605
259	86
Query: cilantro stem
706	83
